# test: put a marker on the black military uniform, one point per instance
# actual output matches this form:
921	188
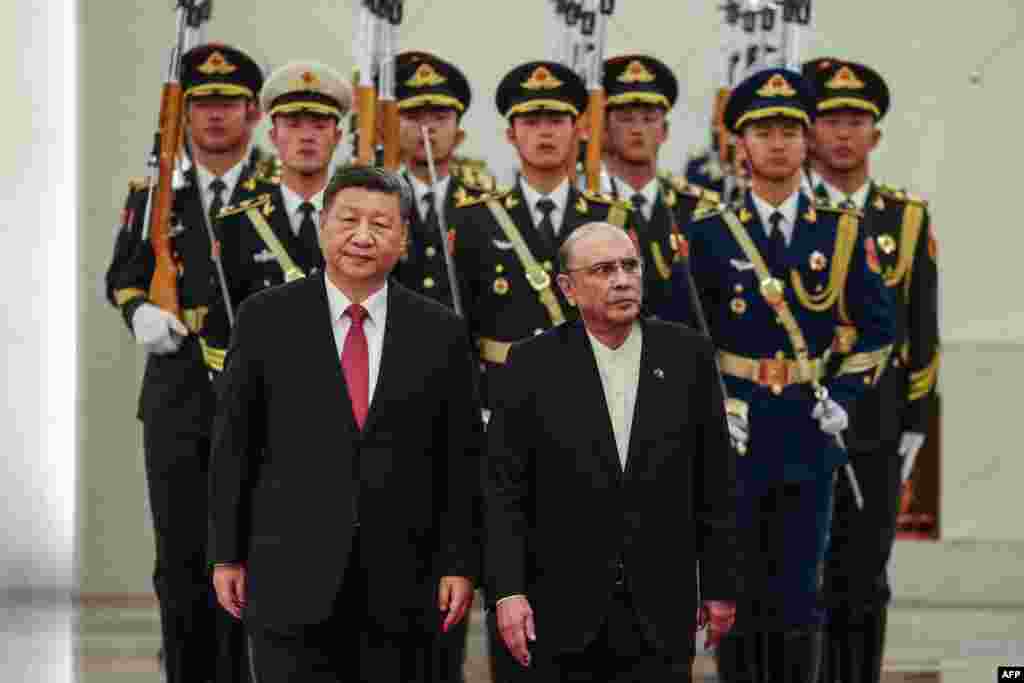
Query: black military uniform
176	404
424	80
856	580
640	79
258	242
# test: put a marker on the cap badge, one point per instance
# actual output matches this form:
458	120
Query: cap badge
777	86
845	79
425	77
542	79
636	72
308	80
216	65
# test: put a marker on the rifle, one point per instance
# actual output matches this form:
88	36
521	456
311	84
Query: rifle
393	10
163	288
595	28
366	94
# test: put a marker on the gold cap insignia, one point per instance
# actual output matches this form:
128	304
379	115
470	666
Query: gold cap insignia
542	79
425	77
845	79
636	72
777	86
308	80
216	65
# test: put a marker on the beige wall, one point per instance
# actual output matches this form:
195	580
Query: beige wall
954	142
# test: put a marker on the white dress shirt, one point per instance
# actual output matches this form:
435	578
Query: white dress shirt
374	324
204	177
788	209
560	196
620	376
837	196
420	190
650	192
293	200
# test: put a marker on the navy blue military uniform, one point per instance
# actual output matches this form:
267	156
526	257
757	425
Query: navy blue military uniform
830	280
856	578
176	403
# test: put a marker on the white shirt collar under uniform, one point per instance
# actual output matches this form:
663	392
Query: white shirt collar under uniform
649	191
230	179
620	378
560	196
376	306
420	189
788	209
837	196
293	200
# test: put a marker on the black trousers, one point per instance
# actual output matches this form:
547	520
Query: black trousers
861	541
201	642
620	653
347	648
451	655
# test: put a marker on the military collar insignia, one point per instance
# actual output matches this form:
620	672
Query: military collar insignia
811	216
879	203
845	79
216	65
542	79
581	205
670	199
745	215
636	72
511	202
425	77
777	86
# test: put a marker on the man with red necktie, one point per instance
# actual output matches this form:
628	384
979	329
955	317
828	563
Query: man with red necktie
345	455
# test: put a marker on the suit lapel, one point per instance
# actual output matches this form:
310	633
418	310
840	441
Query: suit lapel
388	387
324	354
595	418
646	408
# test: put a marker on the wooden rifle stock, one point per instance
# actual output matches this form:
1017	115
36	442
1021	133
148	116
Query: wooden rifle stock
721	133
366	106
595	143
163	288
392	150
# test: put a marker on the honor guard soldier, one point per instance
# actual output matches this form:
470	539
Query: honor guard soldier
270	236
890	420
433	94
506	242
641	91
792	294
176	405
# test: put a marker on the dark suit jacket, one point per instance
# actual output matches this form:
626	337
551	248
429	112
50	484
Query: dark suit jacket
561	512
286	450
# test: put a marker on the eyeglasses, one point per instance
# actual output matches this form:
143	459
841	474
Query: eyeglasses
605	269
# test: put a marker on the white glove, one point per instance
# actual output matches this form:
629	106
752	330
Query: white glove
157	330
830	416
910	445
739	431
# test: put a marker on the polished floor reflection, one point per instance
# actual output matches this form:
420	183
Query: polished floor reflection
117	643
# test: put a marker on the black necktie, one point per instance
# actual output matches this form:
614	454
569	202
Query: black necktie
432	221
778	239
546	228
217	187
639	201
307	236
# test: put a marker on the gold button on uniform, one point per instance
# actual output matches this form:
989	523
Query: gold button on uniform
431	252
501	286
428	282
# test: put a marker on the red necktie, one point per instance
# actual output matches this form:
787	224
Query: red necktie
355	363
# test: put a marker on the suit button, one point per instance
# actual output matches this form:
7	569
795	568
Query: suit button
431	252
428	283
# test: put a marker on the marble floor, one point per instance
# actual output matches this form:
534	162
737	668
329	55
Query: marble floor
116	644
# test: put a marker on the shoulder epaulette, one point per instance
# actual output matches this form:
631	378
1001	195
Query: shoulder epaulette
244	205
603	198
464	197
475	177
684	187
708	210
136	184
901	195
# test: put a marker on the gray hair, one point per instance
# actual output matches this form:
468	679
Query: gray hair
370	178
579	234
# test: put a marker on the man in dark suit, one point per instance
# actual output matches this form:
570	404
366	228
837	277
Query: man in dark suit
626	458
342	491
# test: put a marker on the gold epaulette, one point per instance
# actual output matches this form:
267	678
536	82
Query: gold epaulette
684	187
901	195
473	174
136	184
826	205
263	199
466	197
604	198
707	211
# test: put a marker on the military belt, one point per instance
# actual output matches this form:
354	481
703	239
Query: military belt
493	351
776	373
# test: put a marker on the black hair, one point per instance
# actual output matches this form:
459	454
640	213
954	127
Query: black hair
371	178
